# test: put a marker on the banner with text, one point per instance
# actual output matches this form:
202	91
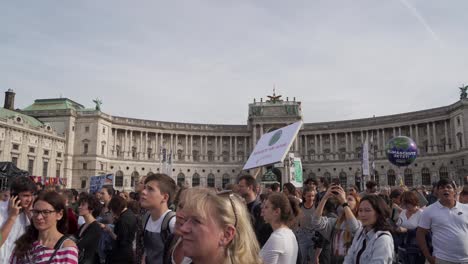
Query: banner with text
96	182
295	174
273	146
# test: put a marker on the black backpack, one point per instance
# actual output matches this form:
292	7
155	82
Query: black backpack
165	230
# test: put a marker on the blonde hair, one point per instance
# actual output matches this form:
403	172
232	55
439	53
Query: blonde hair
226	209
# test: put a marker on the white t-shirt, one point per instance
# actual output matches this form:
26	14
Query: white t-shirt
412	222
18	229
155	226
280	248
449	230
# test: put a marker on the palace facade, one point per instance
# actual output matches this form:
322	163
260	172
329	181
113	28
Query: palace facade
61	138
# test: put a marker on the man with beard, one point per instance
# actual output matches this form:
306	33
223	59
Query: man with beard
447	219
15	215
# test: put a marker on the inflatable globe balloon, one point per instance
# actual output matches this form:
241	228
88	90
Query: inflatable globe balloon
401	151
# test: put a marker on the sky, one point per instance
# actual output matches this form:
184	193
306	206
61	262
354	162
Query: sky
205	61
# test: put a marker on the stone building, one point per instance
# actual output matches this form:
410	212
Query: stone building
82	142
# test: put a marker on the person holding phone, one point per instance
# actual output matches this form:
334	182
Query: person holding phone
15	214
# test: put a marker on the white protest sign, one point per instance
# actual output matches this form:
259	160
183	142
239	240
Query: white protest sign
273	147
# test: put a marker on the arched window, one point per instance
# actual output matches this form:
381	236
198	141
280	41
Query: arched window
180	179
408	177
425	176
134	178
210	155
226	180
119	179
211	180
343	180
391	177
443	173
376	177
195	180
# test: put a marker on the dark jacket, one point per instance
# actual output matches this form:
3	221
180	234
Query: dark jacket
122	249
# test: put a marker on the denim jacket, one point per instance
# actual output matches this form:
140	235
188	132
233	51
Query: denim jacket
379	248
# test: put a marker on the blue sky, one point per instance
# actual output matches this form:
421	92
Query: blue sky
204	61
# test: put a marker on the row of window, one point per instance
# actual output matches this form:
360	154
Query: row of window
45	167
407	179
33	150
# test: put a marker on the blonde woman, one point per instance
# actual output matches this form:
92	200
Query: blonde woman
217	229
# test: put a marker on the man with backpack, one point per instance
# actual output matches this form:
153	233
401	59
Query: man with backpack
159	222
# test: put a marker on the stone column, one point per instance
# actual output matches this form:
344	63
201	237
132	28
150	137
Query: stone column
394	132
191	148
115	142
140	146
254	139
176	143
411	131
346	144
399	131
186	147
446	136
125	147
245	148
352	144
316	148
434	134
417	134
261	130
131	144
201	148
206	148
321	147
429	143
236	158
231	158
362	137
306	151
332	152
156	146
145	150
220	156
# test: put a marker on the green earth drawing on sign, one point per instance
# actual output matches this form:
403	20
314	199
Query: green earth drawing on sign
275	137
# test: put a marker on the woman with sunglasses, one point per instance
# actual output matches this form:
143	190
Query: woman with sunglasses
44	240
280	212
217	229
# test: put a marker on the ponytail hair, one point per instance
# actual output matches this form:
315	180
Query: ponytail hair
288	205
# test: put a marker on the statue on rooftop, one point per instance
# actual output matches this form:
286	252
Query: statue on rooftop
463	93
98	103
274	98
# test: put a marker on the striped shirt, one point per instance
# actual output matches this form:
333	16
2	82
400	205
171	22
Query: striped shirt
40	254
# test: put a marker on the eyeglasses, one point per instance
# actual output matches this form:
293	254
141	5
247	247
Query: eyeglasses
231	196
44	213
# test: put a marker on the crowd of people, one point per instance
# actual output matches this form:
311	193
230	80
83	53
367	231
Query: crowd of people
160	222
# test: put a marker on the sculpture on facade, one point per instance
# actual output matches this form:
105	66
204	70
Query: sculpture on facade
463	93
98	103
